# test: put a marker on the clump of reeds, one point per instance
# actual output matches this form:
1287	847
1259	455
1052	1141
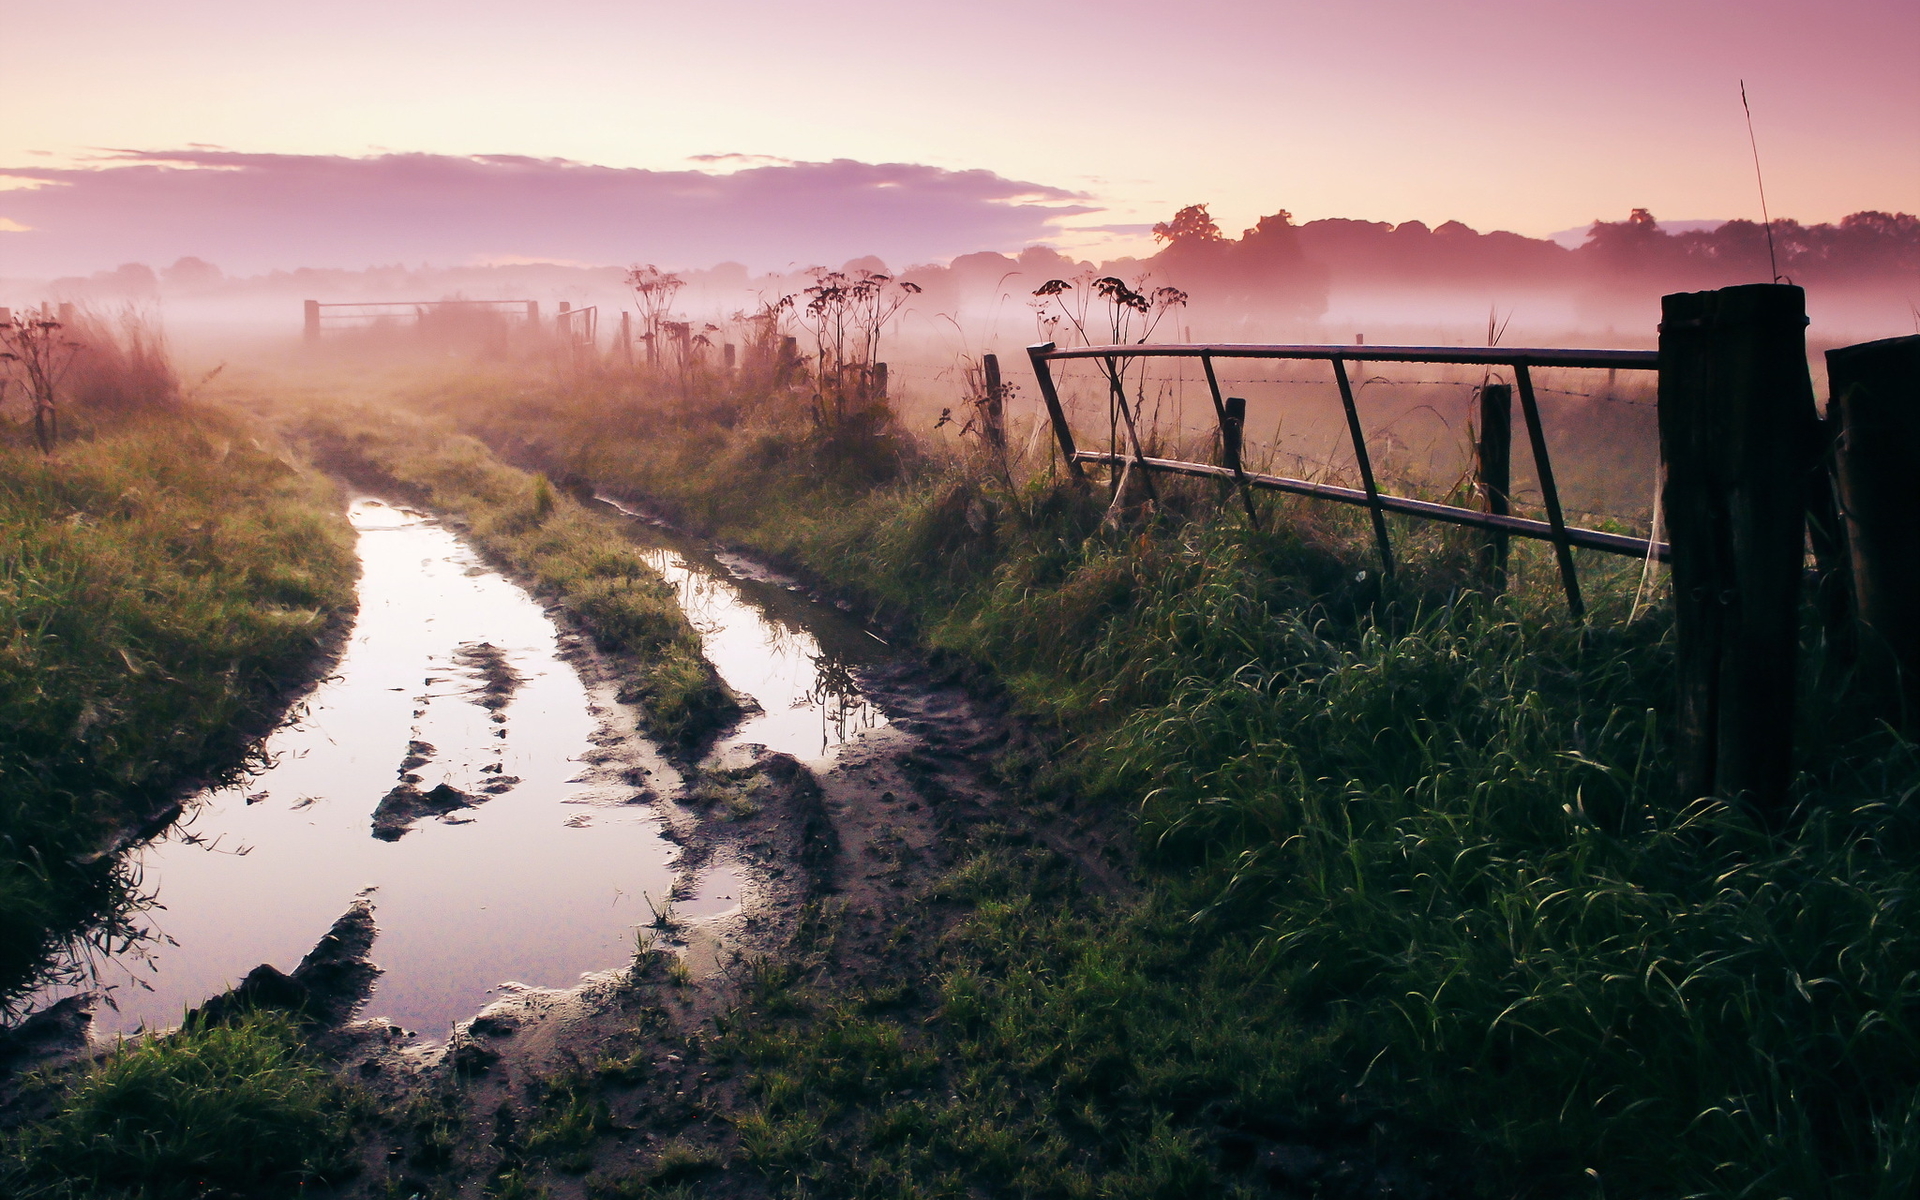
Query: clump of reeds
122	364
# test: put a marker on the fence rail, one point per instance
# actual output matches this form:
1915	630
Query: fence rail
1229	412
369	310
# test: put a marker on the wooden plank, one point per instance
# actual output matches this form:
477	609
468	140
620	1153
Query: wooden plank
1479	356
1043	375
1366	467
1549	492
1586	539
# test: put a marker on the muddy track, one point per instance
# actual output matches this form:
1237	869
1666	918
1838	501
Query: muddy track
838	874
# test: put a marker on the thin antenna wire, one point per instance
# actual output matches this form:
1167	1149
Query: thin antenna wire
1773	263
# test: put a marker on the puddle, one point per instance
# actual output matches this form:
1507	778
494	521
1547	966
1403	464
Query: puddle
720	893
452	674
794	657
453	718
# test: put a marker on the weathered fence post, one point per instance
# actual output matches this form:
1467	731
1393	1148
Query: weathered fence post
1493	476
1875	390
1231	429
727	356
789	359
1043	375
1737	430
880	381
626	337
993	411
313	321
1233	433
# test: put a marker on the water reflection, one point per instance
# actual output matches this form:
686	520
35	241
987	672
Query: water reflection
452	678
767	643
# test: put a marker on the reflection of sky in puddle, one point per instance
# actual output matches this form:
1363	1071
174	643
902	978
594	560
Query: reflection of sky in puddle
810	703
527	886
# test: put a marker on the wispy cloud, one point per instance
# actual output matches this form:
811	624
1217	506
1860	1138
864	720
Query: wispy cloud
252	212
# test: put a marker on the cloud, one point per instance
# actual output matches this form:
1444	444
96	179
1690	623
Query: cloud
254	212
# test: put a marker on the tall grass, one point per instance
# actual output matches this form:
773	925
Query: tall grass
230	1110
163	579
1409	852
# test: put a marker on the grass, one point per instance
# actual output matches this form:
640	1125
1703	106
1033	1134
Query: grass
232	1110
164	579
1415	890
570	552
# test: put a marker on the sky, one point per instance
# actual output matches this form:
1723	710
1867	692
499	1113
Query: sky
999	123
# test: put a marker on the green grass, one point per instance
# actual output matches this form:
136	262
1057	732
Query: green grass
1411	860
233	1110
163	580
575	554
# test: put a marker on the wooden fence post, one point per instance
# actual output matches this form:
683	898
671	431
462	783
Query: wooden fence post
880	381
1056	413
1737	431
1493	476
727	356
1233	433
1875	390
313	321
993	411
789	359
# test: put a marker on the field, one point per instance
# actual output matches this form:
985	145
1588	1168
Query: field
1398	895
1411	868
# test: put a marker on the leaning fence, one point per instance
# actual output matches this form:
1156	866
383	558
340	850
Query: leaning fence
1494	438
1761	493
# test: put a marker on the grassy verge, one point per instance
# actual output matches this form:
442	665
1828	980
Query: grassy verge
234	1110
1415	884
544	535
164	579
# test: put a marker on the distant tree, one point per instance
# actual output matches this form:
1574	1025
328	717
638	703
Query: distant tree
1191	225
1630	246
192	274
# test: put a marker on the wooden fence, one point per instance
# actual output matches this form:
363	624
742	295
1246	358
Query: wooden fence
1754	479
1491	468
321	316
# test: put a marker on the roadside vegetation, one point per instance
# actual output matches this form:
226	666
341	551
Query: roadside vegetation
1413	882
170	575
169	572
242	1109
576	555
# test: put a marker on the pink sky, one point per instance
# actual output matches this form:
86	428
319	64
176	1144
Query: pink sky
1532	116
